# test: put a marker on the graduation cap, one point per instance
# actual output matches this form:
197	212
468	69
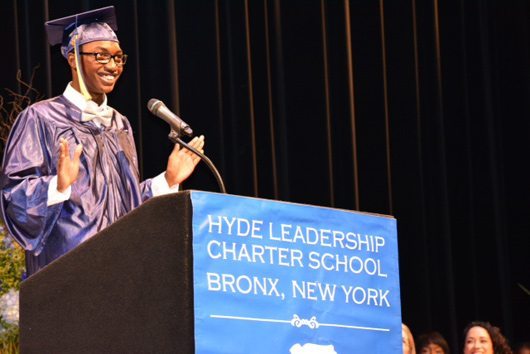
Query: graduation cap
89	26
76	30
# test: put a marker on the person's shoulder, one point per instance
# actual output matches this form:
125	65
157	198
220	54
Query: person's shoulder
33	118
45	111
40	108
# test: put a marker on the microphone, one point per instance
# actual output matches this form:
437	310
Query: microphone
159	109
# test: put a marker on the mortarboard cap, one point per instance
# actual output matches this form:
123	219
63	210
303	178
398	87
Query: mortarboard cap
89	26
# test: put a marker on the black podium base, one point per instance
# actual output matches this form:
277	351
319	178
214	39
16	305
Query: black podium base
129	289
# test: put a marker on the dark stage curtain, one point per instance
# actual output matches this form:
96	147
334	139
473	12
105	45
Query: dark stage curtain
414	108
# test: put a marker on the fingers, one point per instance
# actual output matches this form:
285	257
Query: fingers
196	160
63	146
67	168
176	149
64	153
197	143
78	151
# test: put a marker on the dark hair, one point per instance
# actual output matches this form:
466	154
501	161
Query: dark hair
521	346
432	338
500	344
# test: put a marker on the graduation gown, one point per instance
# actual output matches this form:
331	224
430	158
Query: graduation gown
107	186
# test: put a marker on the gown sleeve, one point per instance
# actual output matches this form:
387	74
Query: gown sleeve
27	171
146	189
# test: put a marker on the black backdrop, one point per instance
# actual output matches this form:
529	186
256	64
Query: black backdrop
415	108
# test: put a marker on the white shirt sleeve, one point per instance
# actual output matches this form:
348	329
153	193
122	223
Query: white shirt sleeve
159	186
56	197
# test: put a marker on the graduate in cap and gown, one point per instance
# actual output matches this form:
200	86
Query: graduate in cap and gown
70	166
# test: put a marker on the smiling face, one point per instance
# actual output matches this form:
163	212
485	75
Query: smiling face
478	341
99	78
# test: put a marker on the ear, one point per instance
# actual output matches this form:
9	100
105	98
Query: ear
71	61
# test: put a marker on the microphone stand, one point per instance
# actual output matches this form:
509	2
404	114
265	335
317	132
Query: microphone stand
175	138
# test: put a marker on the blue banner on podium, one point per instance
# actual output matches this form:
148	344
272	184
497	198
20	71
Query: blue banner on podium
277	277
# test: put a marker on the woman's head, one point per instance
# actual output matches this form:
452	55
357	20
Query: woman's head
523	348
483	338
432	343
408	340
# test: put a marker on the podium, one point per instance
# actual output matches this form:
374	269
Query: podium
128	289
214	273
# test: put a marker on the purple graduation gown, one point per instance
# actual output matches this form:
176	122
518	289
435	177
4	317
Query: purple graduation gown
107	186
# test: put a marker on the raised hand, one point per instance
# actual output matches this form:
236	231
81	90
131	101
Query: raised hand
67	168
182	162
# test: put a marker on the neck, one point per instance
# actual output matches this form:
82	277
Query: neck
98	98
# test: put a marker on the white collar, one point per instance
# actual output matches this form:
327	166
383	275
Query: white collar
78	99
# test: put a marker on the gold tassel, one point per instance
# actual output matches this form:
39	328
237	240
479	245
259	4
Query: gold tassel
80	78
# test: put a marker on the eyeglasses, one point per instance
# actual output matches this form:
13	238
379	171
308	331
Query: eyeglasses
104	58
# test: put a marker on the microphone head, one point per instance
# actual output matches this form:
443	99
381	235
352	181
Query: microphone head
153	105
159	109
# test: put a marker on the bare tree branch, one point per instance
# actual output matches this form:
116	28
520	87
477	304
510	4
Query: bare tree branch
15	103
